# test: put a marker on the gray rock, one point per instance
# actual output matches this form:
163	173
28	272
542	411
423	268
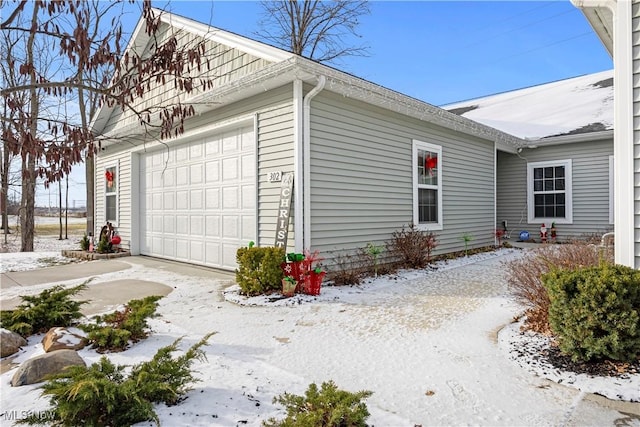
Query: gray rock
10	342
60	338
36	369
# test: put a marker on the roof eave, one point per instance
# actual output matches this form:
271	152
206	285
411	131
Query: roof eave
253	47
349	86
599	13
288	67
570	139
354	87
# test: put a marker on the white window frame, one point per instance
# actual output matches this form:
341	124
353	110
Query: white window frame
420	145
611	191
568	192
114	194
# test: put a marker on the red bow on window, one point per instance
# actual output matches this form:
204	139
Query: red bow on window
109	176
430	163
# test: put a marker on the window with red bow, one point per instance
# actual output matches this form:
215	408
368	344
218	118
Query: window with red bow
428	186
111	194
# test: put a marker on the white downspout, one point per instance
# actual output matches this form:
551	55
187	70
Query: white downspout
306	162
297	164
495	192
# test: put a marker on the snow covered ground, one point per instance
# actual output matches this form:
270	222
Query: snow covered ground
432	346
47	248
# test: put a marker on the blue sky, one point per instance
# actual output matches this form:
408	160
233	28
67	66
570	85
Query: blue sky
438	52
448	51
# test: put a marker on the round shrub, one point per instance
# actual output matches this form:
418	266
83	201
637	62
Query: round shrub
328	406
595	312
259	269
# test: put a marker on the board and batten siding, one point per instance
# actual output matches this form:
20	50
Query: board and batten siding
274	112
220	64
362	184
590	180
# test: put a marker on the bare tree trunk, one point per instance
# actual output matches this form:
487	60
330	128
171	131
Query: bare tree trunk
28	205
66	211
60	208
90	181
4	196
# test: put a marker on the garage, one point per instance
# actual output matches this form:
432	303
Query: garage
198	198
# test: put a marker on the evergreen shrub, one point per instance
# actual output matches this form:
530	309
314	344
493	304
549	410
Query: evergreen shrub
113	331
327	407
104	246
103	395
39	313
595	312
84	242
259	269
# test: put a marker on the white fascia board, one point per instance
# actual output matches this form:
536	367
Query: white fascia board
599	13
253	47
570	139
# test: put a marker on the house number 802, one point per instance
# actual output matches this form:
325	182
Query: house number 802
275	176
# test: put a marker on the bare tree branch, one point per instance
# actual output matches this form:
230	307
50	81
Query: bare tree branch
314	29
89	67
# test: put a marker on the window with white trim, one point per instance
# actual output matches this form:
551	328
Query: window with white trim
111	175
549	192
427	185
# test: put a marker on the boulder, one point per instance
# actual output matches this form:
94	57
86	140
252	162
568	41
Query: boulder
35	370
60	338
10	342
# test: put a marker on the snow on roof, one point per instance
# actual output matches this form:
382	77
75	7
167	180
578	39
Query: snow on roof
578	105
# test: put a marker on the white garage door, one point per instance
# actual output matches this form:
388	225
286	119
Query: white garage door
198	199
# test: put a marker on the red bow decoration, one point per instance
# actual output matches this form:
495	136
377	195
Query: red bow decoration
109	176
430	163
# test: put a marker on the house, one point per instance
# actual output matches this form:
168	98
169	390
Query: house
364	161
564	174
617	23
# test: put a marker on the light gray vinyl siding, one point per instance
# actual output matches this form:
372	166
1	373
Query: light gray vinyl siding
636	125
273	110
590	180
362	188
275	153
122	160
219	65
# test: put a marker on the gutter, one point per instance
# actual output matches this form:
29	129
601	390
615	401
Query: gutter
304	239
569	139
